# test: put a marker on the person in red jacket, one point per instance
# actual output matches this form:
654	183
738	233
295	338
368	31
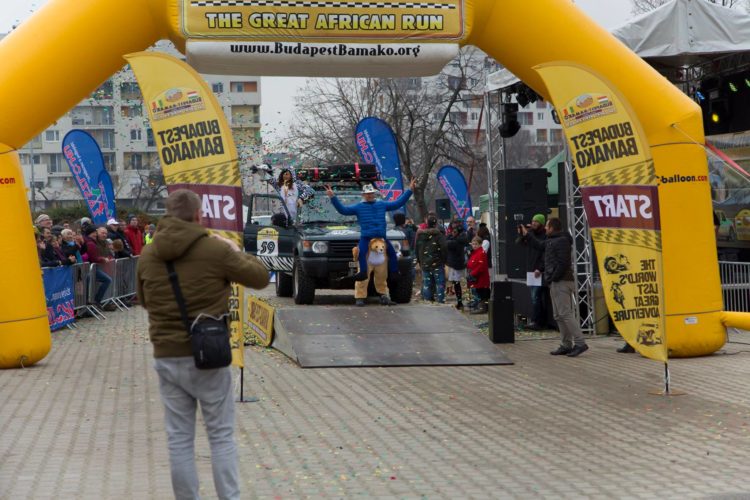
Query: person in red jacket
478	277
134	234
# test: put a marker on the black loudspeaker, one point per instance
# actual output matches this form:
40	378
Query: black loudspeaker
501	319
443	209
522	192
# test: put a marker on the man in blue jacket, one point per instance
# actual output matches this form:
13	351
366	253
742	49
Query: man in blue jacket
372	223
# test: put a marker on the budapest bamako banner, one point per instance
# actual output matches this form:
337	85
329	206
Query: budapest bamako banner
196	151
619	188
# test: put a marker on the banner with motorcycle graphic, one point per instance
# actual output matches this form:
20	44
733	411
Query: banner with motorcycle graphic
619	187
196	151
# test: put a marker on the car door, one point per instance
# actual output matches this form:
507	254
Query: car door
268	236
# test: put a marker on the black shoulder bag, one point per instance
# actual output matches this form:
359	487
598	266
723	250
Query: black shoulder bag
209	337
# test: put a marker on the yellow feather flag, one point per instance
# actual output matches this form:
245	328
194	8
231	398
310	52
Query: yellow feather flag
196	151
620	195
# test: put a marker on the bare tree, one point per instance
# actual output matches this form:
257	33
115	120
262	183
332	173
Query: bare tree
428	118
150	188
642	6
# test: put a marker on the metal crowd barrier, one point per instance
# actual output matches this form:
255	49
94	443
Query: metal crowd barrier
119	293
735	285
81	286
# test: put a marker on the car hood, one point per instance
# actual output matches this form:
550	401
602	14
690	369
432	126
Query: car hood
341	232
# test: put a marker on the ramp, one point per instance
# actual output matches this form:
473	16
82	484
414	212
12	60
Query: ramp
348	336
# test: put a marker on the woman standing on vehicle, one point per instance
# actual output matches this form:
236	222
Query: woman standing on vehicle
292	191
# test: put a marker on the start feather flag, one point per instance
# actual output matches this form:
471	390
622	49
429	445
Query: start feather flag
620	195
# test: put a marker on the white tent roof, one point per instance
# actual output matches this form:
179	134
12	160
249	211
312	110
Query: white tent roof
679	33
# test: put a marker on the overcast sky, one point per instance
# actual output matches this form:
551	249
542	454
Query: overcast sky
278	104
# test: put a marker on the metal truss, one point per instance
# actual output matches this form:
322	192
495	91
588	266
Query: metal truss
583	254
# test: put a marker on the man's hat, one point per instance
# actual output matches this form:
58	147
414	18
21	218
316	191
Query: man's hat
42	218
369	189
113	222
539	218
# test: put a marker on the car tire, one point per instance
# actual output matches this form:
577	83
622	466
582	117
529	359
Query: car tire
401	290
303	286
284	285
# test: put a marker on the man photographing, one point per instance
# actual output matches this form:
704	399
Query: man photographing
558	272
205	267
535	265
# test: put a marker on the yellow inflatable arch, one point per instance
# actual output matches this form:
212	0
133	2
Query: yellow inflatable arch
66	49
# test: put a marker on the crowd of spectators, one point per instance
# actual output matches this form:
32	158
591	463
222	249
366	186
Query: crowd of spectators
66	243
448	255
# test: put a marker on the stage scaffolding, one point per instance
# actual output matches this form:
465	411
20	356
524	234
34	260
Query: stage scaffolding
576	216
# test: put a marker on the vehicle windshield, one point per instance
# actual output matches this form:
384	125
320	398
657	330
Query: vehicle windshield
320	209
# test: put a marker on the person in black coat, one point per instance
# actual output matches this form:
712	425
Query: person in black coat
456	242
115	233
48	257
558	272
535	265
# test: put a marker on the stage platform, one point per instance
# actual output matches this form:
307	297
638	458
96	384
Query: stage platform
409	335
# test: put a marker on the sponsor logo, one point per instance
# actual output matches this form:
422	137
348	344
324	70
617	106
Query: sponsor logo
681	179
7	181
587	107
175	102
625	207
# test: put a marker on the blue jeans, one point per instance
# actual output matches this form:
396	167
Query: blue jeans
364	247
104	281
433	284
182	386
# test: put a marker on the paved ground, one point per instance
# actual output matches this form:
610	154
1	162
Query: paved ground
87	423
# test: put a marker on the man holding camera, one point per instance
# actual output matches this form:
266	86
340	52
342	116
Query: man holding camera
205	267
558	272
535	265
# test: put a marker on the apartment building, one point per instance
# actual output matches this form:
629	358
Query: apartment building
114	115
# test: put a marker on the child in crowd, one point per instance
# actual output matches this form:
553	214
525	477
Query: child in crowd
478	277
431	256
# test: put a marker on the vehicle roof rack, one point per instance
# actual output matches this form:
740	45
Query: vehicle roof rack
353	173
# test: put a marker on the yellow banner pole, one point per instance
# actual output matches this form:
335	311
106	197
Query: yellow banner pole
197	152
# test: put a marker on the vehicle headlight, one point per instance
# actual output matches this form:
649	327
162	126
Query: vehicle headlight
320	247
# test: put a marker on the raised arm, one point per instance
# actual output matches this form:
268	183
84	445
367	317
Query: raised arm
401	200
340	207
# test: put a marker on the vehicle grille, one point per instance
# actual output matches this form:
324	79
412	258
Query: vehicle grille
342	249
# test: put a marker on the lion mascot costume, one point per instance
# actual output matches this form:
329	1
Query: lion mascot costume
377	270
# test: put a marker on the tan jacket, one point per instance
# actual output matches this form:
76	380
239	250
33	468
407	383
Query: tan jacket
205	267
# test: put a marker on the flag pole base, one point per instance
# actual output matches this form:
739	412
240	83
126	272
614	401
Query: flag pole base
670	392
